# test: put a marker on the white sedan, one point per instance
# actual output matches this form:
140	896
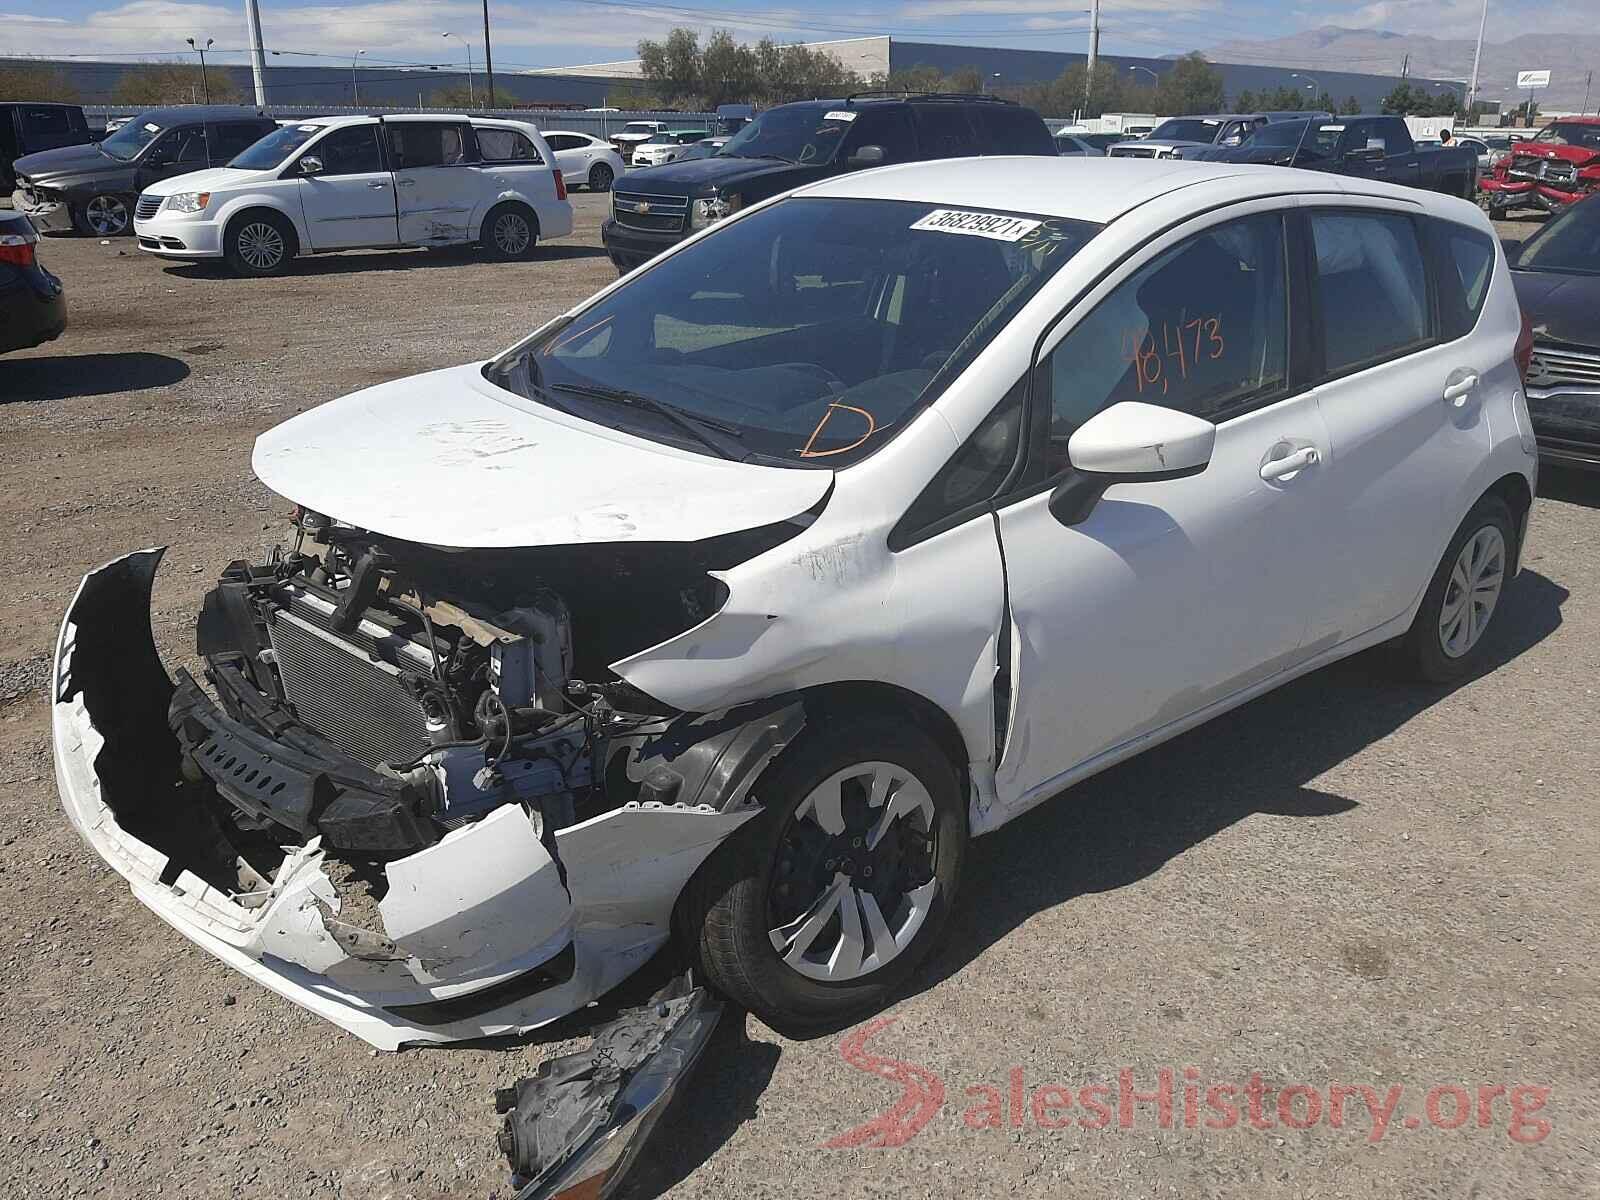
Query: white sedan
585	161
965	481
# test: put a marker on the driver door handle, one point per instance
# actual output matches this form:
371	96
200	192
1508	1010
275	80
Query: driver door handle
406	182
1277	468
378	186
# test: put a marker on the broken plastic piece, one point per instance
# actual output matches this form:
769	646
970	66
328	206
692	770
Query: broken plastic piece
576	1126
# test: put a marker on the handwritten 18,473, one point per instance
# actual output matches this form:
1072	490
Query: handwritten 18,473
1173	347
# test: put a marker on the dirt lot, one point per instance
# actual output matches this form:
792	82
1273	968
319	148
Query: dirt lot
1347	882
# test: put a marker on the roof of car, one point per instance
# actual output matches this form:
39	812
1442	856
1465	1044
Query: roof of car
1086	189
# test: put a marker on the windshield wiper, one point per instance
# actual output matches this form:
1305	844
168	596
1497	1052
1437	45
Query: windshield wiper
692	424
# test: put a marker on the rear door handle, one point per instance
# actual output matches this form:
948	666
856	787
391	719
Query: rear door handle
405	182
378	186
1461	384
1277	468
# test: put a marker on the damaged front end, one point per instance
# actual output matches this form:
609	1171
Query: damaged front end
575	1127
397	803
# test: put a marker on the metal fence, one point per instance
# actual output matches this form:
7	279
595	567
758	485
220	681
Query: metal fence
596	124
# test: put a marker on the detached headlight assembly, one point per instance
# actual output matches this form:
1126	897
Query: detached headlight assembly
708	212
188	202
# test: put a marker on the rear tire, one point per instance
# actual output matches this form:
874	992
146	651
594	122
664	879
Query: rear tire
876	863
601	177
1445	642
260	244
510	232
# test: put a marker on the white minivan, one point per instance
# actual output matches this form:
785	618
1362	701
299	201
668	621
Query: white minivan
350	183
730	604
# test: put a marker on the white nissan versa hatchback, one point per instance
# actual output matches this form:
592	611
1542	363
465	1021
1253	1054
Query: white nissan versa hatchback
734	601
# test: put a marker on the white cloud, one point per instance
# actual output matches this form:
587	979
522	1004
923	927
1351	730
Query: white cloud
920	9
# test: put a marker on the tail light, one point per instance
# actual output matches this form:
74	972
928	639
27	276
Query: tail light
1524	351
17	248
561	185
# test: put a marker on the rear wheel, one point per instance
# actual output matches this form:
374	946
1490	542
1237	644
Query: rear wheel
259	243
1445	642
106	215
510	232
600	177
819	907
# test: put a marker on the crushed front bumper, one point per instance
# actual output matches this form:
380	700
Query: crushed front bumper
476	935
48	216
1499	196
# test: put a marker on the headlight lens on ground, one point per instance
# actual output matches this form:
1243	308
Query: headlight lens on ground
188	202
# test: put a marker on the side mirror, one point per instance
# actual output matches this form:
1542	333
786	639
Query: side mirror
1130	442
310	165
867	156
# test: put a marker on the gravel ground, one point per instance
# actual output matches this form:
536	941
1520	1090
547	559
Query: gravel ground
1345	882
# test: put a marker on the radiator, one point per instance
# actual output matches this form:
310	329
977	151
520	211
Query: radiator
353	699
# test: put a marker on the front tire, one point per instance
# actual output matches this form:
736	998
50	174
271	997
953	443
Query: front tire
816	911
106	215
1446	640
510	233
259	244
601	177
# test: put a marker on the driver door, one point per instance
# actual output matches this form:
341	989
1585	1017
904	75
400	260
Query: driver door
1171	596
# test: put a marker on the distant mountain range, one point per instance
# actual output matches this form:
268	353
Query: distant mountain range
1569	58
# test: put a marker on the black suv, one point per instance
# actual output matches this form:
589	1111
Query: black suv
92	188
796	144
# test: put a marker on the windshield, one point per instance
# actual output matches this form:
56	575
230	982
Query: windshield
133	137
1320	143
1187	130
274	149
1570	244
799	133
1570	134
638	127
807	334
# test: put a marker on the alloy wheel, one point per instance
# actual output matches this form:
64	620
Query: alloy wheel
261	245
600	178
1473	591
511	234
854	882
106	216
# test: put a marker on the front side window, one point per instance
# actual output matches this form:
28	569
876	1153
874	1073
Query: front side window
181	147
1372	287
805	334
505	145
351	151
1202	328
414	144
889	128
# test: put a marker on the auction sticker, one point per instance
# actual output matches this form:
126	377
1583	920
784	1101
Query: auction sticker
977	224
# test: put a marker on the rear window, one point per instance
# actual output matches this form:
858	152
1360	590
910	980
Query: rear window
505	145
1003	129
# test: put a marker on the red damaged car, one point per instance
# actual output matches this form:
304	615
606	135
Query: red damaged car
1549	171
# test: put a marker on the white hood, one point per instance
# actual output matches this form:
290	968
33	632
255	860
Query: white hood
449	459
212	179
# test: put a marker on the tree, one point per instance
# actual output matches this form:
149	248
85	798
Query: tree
1247	103
1192	86
453	95
683	73
1351	107
27	81
1326	103
1064	95
172	83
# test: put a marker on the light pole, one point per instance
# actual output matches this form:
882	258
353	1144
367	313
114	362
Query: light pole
355	90
1155	80
1477	54
205	83
995	75
488	56
472	95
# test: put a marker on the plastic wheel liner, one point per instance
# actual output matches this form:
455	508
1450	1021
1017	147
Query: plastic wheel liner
476	934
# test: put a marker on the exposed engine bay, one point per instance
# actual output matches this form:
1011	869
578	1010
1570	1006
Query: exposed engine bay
431	687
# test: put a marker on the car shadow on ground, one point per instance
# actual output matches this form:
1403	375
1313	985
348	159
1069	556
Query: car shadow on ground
63	376
1129	821
358	262
1570	486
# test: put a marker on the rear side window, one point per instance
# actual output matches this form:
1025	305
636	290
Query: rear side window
45	122
505	145
945	132
426	144
556	141
1005	129
234	137
353	150
1372	287
1202	328
1465	264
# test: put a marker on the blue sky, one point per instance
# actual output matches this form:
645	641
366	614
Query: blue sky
559	32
